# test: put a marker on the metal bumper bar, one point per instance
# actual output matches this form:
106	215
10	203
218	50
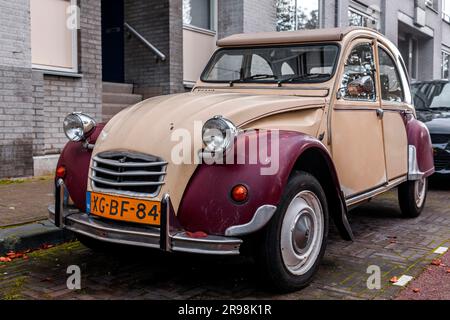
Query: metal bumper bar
166	238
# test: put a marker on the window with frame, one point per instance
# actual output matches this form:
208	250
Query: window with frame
358	81
446	10
297	14
445	65
199	14
433	4
391	83
358	18
54	39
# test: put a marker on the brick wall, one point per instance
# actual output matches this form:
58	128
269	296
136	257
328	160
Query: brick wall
56	96
160	22
16	103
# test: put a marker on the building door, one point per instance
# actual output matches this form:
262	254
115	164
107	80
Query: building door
113	40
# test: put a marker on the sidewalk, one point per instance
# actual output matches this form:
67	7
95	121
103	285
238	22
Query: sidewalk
24	201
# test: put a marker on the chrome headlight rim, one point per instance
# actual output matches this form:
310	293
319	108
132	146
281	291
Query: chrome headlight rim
228	134
78	126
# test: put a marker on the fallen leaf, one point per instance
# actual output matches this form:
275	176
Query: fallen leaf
393	241
448	271
5	259
416	290
394	280
437	262
25	257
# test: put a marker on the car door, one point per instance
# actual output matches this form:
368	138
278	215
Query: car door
356	127
393	104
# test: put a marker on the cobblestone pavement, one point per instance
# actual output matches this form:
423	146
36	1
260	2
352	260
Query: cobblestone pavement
383	238
25	201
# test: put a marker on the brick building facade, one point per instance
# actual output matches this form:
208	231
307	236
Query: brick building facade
40	85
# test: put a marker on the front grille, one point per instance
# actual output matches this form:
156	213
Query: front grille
442	160
128	173
440	138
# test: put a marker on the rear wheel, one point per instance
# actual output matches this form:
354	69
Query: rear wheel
412	196
294	242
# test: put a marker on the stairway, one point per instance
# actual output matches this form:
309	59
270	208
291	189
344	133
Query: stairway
116	97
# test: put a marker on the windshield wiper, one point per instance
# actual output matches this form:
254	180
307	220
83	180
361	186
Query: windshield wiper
254	77
307	76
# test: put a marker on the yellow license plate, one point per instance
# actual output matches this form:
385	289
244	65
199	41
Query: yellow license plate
124	209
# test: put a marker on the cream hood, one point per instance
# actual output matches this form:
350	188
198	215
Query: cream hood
148	126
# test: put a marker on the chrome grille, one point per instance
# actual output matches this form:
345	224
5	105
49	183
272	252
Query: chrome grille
128	173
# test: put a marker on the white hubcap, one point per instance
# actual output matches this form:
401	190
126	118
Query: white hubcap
419	192
302	233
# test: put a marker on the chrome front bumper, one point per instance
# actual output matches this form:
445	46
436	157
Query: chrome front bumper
166	238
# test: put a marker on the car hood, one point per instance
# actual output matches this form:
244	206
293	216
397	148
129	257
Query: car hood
154	126
438	122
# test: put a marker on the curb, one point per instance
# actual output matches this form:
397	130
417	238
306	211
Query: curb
32	236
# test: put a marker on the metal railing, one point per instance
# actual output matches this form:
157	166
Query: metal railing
155	50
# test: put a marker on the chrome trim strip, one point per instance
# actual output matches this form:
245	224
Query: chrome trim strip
125	183
149	237
414	172
130	164
372	193
262	216
128	173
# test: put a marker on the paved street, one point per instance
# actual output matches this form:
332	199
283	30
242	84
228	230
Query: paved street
398	246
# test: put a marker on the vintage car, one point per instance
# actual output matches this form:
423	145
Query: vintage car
282	133
432	103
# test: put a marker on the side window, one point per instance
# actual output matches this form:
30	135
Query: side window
260	66
358	82
391	84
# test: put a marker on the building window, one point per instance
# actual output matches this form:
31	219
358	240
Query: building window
199	14
53	40
433	4
364	17
445	65
446	10
297	14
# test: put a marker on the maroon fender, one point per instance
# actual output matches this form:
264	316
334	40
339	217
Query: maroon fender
207	206
419	136
76	159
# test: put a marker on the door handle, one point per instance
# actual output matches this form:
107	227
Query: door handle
380	114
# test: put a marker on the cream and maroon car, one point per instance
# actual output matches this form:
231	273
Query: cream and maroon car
330	113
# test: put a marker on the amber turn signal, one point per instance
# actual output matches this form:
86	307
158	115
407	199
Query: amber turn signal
239	193
61	172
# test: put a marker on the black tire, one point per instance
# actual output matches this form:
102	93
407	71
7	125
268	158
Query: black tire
270	256
410	207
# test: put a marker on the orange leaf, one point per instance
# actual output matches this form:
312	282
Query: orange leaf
416	290
448	271
394	280
436	262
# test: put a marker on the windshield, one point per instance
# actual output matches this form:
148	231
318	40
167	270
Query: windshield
296	64
434	95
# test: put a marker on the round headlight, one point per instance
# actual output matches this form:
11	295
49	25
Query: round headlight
78	126
218	134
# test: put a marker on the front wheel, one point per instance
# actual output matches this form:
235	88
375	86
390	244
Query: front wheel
412	196
294	243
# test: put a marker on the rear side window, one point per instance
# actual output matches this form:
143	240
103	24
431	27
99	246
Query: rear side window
391	84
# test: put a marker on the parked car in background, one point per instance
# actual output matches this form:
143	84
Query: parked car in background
432	102
333	107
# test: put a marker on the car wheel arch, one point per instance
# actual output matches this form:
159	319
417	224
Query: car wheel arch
317	162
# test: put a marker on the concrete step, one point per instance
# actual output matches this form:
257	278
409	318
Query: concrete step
111	87
113	108
121	98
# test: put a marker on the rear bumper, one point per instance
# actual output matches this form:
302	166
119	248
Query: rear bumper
167	237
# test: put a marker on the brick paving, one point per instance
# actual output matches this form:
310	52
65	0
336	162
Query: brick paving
383	238
25	201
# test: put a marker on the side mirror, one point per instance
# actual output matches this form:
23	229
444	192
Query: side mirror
361	87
